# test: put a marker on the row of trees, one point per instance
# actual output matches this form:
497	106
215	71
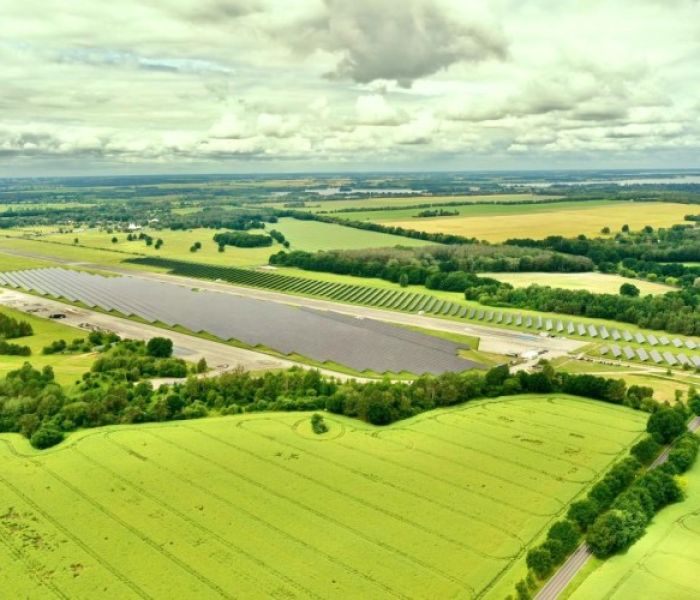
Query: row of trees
617	509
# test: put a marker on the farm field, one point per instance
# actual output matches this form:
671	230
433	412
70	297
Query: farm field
303	235
259	506
320	205
67	367
538	222
599	283
663	565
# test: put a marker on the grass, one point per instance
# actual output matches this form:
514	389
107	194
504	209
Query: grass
498	223
259	506
67	367
97	246
663	565
598	283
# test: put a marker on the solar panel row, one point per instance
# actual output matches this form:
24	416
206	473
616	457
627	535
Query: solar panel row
362	344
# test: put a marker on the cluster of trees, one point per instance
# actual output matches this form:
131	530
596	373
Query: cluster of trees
643	253
318	424
221	218
618	508
437	212
278	236
419	265
114	392
13	328
149	241
676	311
11	349
241	239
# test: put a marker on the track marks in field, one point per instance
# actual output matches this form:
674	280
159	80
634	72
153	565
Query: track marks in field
480	517
77	541
417	561
208	531
254	516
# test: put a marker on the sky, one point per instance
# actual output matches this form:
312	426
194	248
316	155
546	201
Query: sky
159	86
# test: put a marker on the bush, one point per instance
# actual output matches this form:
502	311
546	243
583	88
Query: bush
55	347
646	450
318	424
14	349
159	347
666	424
46	436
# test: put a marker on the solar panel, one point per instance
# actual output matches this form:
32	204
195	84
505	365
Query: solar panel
560	326
651	338
627	336
695	360
664	341
639	338
655	356
615	334
629	352
690	344
480	315
683	359
548	325
472	312
528	321
592	331
669	358
604	333
509	319
519	320
570	328
581	329
642	354
320	335
616	351
604	350
489	316
498	317
538	323
676	342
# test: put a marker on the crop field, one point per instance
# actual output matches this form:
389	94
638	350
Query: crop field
67	367
539	221
320	205
664	564
303	235
599	283
442	505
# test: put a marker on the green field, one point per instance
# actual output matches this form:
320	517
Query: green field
442	505
97	246
664	564
67	367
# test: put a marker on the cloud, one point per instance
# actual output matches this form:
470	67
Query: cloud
374	110
383	40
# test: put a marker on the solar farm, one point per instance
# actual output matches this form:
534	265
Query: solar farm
361	344
426	303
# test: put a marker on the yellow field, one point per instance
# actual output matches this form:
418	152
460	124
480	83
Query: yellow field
599	283
567	222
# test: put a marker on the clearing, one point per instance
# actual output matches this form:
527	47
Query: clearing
598	283
442	505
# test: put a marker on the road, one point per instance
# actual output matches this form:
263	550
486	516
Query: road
219	356
558	582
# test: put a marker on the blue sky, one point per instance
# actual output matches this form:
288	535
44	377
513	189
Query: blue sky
270	85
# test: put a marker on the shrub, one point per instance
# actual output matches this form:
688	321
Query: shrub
318	424
46	436
159	347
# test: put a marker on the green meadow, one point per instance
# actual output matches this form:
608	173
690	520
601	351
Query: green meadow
258	506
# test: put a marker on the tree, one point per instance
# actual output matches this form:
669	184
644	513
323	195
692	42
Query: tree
75	240
114	240
646	450
46	436
159	347
540	561
583	512
626	228
666	424
403	280
609	534
202	365
630	290
605	230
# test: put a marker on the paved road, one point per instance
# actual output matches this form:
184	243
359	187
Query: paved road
558	582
